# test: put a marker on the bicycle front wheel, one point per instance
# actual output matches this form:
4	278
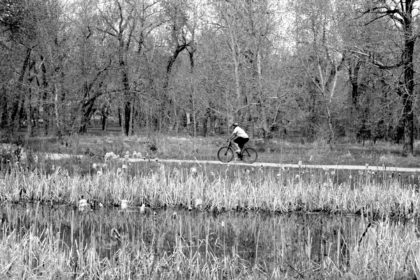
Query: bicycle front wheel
225	154
249	155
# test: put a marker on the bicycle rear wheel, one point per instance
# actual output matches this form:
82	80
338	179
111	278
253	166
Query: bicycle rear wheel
225	154
249	155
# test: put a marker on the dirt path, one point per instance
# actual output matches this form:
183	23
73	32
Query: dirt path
281	165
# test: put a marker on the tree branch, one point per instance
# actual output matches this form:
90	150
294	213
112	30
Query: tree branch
385	11
377	63
5	46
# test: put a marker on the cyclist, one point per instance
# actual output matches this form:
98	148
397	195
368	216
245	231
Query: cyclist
239	137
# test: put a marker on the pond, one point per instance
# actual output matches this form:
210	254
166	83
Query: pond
296	243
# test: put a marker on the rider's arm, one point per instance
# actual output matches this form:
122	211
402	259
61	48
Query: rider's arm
230	138
233	136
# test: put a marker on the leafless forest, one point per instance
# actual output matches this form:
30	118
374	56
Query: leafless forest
322	70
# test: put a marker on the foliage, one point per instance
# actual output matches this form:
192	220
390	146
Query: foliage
319	70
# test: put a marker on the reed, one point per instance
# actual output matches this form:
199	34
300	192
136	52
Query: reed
227	248
275	191
33	258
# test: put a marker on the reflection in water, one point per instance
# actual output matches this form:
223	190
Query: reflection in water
255	238
300	243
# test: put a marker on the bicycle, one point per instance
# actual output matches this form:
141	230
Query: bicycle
227	153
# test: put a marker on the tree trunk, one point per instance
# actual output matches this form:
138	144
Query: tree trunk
167	104
127	95
354	97
354	81
131	130
263	114
103	122
19	100
119	117
235	59
4	111
87	112
127	117
29	115
408	93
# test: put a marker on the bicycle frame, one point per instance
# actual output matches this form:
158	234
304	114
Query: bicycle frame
247	152
232	144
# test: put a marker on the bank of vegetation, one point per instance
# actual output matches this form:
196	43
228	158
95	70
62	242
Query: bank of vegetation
219	189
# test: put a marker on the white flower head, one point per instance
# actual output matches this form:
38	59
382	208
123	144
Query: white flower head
110	155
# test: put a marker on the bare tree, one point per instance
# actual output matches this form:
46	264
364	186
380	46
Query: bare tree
401	16
119	22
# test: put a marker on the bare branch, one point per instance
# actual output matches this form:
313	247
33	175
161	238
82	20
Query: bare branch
5	46
377	63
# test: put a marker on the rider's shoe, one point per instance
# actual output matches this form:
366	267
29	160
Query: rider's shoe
238	156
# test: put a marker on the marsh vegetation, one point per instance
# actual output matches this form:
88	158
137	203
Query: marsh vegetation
100	216
61	243
207	222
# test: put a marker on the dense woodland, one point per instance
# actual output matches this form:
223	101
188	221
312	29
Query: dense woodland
320	69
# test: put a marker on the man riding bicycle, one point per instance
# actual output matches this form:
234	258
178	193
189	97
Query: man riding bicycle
239	137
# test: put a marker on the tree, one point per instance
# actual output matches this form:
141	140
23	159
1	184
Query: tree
34	29
249	31
322	56
400	16
119	22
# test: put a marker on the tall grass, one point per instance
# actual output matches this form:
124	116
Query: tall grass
158	185
189	247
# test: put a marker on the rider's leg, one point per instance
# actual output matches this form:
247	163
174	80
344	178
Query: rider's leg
242	142
236	142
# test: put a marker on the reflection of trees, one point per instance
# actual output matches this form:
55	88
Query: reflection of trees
301	242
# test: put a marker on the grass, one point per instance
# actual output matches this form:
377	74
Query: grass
220	189
206	148
386	244
201	247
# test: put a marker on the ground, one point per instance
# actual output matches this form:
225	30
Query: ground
200	148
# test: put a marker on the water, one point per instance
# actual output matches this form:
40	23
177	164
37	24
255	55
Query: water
298	240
